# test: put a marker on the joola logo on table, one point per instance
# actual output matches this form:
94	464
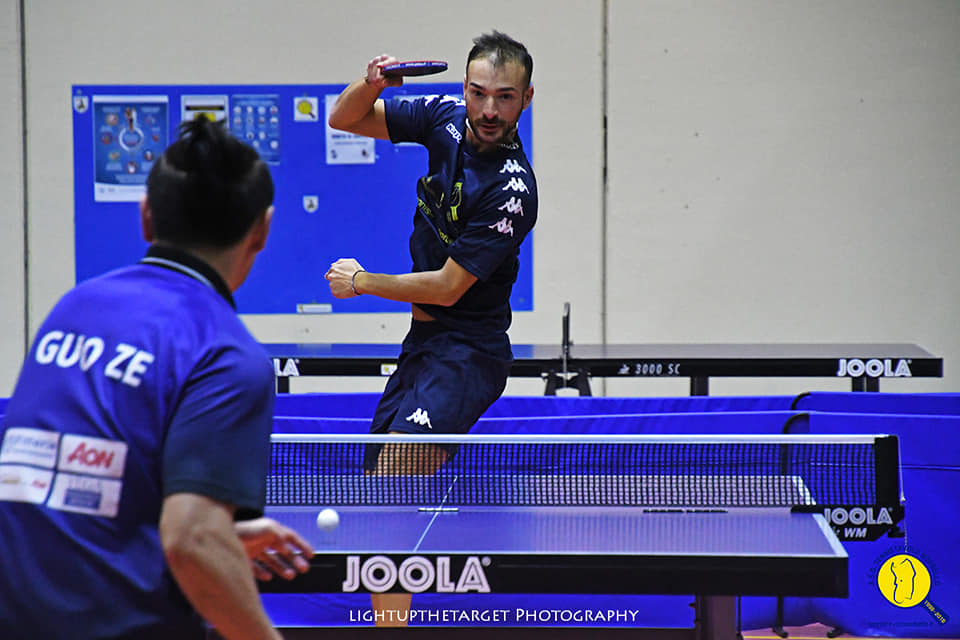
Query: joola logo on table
874	368
857	515
416	574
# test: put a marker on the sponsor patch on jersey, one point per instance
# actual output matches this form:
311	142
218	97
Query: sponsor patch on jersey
94	456
20	483
30	446
85	494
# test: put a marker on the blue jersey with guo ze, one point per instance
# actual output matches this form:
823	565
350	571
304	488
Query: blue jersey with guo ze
140	384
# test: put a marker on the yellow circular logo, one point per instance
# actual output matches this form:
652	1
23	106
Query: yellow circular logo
904	580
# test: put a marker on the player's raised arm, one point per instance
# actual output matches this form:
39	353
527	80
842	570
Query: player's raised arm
359	108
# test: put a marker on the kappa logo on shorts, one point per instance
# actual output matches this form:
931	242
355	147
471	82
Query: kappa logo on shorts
421	418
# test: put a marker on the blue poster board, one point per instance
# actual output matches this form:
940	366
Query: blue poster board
337	195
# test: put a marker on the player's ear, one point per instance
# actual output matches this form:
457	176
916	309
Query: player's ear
146	220
527	97
262	229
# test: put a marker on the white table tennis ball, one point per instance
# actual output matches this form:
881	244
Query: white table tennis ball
328	519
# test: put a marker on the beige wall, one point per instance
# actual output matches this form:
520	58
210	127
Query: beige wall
12	315
777	171
785	171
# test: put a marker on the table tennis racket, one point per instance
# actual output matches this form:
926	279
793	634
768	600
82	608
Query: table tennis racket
415	68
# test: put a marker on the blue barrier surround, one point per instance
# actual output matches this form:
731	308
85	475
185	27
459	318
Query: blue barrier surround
930	477
363	405
938	404
926	424
929	481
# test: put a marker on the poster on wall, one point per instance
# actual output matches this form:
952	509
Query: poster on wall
325	208
129	132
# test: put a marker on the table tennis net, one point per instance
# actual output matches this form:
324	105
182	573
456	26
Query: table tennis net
784	471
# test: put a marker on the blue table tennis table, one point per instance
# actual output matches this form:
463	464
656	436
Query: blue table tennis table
460	543
598	550
570	365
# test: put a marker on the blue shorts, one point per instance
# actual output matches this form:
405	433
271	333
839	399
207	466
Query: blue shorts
444	382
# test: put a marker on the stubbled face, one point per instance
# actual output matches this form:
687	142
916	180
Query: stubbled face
495	97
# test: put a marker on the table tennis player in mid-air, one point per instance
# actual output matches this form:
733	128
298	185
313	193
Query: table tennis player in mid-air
475	205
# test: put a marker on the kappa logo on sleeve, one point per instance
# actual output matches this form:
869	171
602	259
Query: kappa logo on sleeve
503	226
512	166
513	205
516	184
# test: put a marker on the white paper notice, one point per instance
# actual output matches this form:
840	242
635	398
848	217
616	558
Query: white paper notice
344	147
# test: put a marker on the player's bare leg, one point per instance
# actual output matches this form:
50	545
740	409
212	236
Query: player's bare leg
410	458
393	609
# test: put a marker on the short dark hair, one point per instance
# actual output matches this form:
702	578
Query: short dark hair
208	188
500	48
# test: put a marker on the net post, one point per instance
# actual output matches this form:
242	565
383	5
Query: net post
887	455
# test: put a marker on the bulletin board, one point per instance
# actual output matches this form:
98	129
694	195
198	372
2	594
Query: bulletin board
338	195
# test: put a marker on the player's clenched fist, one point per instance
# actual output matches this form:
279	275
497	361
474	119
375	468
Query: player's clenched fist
342	277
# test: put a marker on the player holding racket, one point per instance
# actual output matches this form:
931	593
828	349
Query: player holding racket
476	204
138	431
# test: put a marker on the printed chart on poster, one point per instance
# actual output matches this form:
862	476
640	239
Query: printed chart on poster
337	194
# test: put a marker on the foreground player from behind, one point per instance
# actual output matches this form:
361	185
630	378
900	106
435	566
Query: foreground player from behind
134	451
475	206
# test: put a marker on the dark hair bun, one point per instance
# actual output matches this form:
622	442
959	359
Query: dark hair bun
208	188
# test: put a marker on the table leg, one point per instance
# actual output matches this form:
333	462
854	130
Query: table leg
715	618
864	383
699	386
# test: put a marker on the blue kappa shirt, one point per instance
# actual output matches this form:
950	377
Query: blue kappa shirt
140	383
476	208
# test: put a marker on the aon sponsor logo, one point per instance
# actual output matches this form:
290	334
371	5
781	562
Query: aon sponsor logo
416	574
874	368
